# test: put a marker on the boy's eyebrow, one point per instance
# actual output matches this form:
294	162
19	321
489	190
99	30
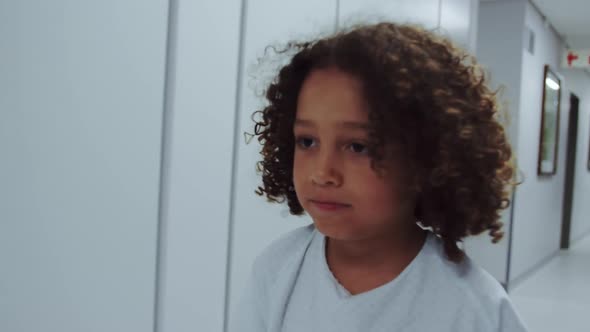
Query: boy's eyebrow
343	124
304	123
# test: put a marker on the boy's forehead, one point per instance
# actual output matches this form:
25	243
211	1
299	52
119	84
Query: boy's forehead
344	124
331	98
333	87
335	109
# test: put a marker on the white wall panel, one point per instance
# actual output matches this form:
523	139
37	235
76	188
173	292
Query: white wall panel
578	82
499	51
538	207
202	86
80	167
458	20
422	12
257	223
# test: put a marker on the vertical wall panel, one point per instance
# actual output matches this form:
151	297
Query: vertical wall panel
423	12
80	163
202	84
255	222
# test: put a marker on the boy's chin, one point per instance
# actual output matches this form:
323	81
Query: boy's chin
340	231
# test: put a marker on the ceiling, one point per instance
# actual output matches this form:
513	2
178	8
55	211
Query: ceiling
571	19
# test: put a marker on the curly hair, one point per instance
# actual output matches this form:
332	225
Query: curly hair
424	94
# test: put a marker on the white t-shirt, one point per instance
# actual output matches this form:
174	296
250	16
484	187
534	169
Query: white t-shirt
292	289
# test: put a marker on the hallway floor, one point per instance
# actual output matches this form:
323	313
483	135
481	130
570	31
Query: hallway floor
557	296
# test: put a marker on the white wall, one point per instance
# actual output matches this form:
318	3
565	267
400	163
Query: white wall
458	19
499	51
81	125
79	179
538	206
202	84
578	82
537	209
423	12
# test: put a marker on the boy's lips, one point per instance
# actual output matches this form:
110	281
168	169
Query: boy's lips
326	205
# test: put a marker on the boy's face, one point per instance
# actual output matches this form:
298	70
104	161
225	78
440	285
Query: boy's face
332	172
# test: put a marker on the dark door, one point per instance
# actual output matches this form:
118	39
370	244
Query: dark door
570	166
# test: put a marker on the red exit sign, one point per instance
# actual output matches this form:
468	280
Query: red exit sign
576	59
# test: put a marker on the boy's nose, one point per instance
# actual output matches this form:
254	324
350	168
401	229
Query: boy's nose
326	173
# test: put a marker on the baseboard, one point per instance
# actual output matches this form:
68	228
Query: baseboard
579	238
516	281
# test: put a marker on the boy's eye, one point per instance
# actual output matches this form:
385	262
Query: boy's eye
304	142
358	148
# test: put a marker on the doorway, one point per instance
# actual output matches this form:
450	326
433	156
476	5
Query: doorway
570	166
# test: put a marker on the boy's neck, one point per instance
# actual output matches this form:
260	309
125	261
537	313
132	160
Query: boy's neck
366	264
401	242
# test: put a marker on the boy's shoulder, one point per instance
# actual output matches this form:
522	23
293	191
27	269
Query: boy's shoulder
471	280
474	289
485	297
479	287
288	250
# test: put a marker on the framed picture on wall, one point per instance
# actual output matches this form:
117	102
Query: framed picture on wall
549	140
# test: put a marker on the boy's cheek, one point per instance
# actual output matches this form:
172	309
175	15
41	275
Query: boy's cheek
299	168
298	176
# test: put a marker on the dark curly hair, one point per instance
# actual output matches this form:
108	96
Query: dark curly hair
424	94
